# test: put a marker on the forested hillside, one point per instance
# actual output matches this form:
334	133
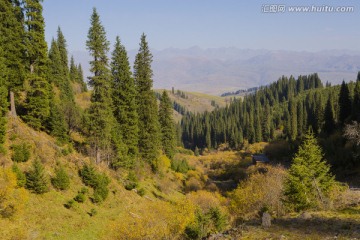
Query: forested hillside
284	110
111	162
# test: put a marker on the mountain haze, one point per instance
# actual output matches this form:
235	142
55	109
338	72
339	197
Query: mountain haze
218	70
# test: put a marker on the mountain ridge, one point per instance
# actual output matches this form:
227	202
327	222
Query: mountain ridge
219	70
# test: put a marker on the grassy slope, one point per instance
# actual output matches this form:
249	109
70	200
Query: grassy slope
45	217
197	102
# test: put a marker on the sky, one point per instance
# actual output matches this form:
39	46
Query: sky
207	24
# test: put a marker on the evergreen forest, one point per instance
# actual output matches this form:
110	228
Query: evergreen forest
107	156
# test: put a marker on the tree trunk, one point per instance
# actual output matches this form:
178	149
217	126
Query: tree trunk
12	104
98	155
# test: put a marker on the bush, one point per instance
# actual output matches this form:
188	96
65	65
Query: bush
141	192
97	181
92	212
258	191
181	166
21	152
80	197
193	184
61	180
185	151
206	223
131	181
20	176
70	204
197	152
218	218
101	191
12	198
89	175
210	216
154	220
36	179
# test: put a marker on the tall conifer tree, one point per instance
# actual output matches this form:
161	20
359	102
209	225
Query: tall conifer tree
55	65
329	117
57	124
37	103
81	78
12	30
344	103
293	119
124	98
100	111
61	43
149	134
3	96
167	125
73	70
356	101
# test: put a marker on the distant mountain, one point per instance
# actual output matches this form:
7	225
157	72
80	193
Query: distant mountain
219	70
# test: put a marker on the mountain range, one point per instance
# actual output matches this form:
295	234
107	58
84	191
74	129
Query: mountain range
219	70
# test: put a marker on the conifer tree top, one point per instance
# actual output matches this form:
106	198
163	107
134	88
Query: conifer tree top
97	43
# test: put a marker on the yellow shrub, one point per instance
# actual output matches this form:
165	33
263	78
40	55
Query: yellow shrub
12	199
258	191
193	184
179	176
156	220
164	163
206	200
257	147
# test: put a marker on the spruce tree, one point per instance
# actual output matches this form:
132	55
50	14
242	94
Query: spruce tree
37	104
61	180
73	70
3	97
55	67
36	179
309	181
80	79
61	43
356	102
12	31
293	119
36	46
149	134
56	123
59	75
329	117
100	112
344	103
124	98
67	93
167	125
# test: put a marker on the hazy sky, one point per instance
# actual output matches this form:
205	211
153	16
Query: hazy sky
207	23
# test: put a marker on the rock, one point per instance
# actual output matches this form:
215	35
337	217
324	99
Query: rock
305	216
266	220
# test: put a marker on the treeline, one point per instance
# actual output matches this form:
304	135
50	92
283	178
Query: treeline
123	123
285	109
240	91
